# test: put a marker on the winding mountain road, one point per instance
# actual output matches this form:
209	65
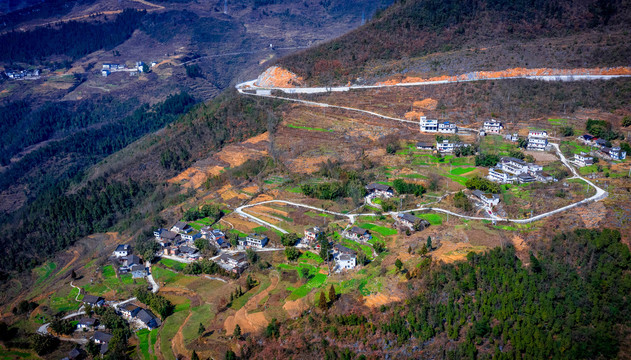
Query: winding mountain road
249	88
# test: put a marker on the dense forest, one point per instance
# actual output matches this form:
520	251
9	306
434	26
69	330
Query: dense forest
91	143
57	217
570	302
412	28
73	39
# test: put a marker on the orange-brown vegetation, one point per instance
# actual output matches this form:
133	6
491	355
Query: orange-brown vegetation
514	72
277	76
429	104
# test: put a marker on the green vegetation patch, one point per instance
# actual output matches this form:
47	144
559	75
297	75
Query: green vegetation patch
6	354
201	314
376	228
315	282
165	275
460	170
434	219
309	256
240	301
457	178
167	332
146	340
307	128
172	264
44	271
358	247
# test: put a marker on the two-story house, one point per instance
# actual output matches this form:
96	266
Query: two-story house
311	235
583	159
356	233
492	126
537	140
379	190
122	250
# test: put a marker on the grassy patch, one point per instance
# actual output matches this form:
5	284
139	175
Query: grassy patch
434	219
308	128
201	314
65	302
358	247
167	332
239	302
295	190
172	264
6	354
309	256
376	228
457	178
165	275
315	282
44	271
460	171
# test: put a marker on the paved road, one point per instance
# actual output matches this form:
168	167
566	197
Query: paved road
154	285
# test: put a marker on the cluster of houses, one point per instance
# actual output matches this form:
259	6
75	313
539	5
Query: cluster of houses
128	262
511	170
614	152
22	74
141	317
109	68
429	125
178	241
537	140
235	263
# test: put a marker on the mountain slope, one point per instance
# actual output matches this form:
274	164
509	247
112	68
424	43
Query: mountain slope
479	34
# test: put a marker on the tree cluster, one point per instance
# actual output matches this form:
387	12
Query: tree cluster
404	187
480	183
161	305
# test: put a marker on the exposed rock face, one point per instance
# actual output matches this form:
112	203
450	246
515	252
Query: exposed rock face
276	76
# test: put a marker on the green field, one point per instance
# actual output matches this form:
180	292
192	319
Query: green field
358	247
309	256
168	330
164	275
201	314
307	128
146	340
434	219
460	170
240	301
6	354
380	229
315	280
172	264
64	300
44	271
457	178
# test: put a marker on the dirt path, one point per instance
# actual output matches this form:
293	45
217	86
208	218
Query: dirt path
177	343
74	258
250	323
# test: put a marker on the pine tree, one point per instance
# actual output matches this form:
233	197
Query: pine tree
322	302
73	275
201	330
429	243
237	331
332	295
398	264
194	356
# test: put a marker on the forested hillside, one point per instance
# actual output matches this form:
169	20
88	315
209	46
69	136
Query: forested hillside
70	206
414	28
570	302
73	39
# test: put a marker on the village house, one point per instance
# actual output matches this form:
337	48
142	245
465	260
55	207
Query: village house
428	125
147	319
487	199
614	153
93	300
500	176
75	354
537	140
191	236
586	139
253	241
188	252
181	227
512	170
167	238
129	311
311	235
87	323
583	159
492	126
138	271
447	128
410	221
235	263
122	250
600	142
512	137
101	338
447	146
128	262
356	233
215	235
345	258
171	250
379	190
424	146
